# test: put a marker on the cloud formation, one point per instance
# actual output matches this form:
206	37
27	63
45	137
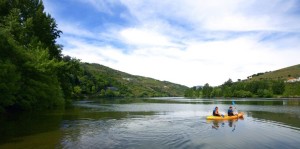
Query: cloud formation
186	42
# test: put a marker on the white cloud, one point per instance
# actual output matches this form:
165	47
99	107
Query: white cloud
101	5
191	42
229	15
202	62
143	37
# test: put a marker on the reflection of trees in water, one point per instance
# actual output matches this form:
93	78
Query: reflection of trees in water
252	101
293	102
286	118
258	101
18	125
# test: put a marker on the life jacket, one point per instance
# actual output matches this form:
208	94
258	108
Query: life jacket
230	112
214	112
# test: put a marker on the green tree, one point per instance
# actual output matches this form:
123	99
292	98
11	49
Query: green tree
264	93
77	90
189	93
242	94
278	87
68	75
292	89
229	83
226	90
30	58
207	90
9	78
217	92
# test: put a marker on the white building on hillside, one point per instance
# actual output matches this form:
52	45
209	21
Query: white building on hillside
290	80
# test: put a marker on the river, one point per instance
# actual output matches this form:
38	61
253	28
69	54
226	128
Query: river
156	123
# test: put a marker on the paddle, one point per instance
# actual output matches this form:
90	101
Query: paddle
233	104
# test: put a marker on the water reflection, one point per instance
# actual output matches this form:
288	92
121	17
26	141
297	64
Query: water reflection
216	124
279	118
17	129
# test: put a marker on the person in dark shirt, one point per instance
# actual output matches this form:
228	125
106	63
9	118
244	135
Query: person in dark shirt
230	111
216	112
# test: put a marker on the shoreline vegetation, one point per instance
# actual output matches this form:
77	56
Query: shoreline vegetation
247	89
282	83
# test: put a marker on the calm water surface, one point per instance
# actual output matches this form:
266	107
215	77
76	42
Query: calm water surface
156	123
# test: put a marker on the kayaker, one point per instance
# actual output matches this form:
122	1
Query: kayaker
230	111
216	112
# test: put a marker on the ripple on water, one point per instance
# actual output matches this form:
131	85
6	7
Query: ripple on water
267	134
177	126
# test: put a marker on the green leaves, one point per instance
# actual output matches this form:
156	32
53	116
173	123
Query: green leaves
207	90
9	79
33	73
240	89
40	60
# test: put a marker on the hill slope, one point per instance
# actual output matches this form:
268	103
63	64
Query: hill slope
99	80
281	74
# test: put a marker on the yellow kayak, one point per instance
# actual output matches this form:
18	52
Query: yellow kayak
226	117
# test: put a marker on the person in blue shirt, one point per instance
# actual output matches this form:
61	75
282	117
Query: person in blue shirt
230	111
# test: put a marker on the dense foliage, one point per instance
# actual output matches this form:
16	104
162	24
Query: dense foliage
34	74
242	89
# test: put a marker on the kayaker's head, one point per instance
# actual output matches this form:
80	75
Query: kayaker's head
230	107
216	108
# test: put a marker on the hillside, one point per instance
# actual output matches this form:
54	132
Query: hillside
101	81
281	74
261	85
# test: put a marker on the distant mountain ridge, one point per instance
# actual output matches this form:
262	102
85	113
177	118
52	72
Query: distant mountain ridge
280	74
105	81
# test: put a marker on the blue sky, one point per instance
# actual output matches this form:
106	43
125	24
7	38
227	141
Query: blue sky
189	42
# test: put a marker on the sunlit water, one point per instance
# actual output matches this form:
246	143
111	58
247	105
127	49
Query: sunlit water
157	123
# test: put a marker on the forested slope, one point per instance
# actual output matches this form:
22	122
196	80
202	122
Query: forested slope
100	81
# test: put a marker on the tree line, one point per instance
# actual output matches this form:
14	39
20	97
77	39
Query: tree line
242	89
